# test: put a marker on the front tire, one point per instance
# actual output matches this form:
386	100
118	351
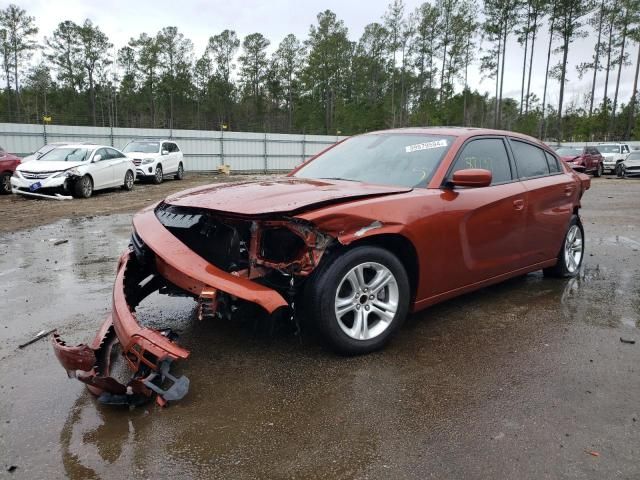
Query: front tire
572	252
129	179
180	173
83	187
5	183
157	178
359	299
599	170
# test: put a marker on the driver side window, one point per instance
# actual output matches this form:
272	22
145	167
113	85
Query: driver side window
103	154
486	153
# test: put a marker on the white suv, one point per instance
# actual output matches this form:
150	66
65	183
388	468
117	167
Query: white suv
154	159
613	154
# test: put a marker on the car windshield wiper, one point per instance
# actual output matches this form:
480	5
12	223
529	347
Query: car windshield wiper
339	178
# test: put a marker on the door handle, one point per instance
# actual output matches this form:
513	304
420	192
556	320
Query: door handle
518	204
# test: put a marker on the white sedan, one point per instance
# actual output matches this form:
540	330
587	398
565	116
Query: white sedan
74	169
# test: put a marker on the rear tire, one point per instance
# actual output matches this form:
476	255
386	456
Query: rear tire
571	253
358	299
180	173
157	178
129	179
83	187
5	183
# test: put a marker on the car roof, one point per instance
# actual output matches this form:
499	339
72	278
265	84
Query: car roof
152	140
460	132
91	146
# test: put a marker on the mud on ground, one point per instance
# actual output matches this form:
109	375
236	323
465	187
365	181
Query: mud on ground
18	212
526	379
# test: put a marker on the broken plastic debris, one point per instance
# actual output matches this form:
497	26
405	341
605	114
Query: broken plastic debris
627	340
593	453
39	335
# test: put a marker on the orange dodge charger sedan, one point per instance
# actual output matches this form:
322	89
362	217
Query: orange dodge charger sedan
375	226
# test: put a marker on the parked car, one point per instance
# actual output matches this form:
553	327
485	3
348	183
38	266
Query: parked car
630	166
584	159
74	169
155	159
8	164
378	225
613	154
42	150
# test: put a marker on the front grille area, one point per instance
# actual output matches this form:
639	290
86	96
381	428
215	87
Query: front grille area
137	162
36	175
632	169
223	242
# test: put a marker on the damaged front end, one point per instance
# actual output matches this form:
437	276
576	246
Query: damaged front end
217	260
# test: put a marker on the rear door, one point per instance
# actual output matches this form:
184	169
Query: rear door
550	198
484	227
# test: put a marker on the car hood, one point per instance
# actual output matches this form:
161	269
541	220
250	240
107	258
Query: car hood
569	158
286	195
632	163
42	166
141	155
610	155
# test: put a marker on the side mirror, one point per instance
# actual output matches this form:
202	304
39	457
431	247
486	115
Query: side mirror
472	177
97	158
165	152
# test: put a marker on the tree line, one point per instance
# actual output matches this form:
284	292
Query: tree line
409	68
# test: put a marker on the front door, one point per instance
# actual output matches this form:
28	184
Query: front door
101	170
483	227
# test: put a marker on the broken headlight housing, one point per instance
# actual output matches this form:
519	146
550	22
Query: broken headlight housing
280	244
72	172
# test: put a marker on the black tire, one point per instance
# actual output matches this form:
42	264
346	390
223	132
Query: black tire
129	180
563	268
180	173
157	178
5	183
619	170
322	293
598	172
83	187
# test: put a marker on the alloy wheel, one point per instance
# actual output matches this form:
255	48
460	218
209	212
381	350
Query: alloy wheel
573	249
366	301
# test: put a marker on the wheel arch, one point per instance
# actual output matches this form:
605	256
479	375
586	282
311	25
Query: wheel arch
402	248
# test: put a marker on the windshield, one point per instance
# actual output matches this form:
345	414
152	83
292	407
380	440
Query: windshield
609	148
398	159
66	154
569	151
142	147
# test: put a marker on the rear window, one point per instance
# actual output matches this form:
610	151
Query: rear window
530	160
552	161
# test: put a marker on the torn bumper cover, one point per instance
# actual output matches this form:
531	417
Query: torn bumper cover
155	260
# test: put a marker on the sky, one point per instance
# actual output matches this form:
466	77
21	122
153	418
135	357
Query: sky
199	19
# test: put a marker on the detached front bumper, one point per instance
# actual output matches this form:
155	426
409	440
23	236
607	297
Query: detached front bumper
155	259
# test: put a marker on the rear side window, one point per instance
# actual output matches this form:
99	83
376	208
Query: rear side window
552	162
489	154
531	161
174	147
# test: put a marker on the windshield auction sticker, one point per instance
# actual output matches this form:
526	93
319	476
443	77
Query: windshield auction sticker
425	146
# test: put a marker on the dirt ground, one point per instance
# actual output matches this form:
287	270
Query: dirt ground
20	212
528	379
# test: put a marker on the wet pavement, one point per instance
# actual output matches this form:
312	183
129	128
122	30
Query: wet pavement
527	379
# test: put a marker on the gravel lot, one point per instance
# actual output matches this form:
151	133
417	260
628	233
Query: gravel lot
527	379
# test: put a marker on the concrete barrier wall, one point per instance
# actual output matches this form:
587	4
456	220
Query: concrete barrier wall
203	150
